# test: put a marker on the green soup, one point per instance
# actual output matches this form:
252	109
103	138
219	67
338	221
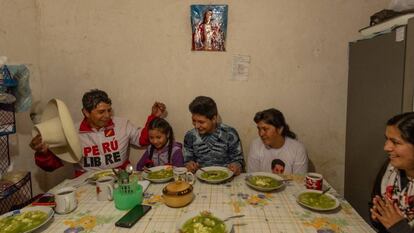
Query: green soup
204	222
264	181
214	175
317	200
160	174
22	222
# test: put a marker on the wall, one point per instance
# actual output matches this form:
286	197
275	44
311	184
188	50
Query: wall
140	52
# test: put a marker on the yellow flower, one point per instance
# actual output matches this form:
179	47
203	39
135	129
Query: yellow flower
87	222
268	195
254	200
236	206
320	223
70	223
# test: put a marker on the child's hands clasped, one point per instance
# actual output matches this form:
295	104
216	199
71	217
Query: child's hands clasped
385	211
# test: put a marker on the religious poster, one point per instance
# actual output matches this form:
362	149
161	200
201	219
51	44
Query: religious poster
209	27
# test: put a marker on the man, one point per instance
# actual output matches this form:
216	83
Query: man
104	139
211	143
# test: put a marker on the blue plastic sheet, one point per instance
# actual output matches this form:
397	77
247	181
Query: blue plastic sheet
21	90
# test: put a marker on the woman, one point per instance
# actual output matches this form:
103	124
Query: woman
393	195
276	142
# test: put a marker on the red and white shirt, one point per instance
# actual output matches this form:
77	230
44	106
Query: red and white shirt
105	148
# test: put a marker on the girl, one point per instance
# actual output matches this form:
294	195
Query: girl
163	149
393	195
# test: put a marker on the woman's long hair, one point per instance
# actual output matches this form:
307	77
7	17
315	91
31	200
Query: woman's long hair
274	117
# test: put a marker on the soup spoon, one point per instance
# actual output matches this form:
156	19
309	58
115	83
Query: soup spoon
234	216
129	168
326	190
208	172
87	180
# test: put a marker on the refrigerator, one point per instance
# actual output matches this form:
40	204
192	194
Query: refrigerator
380	85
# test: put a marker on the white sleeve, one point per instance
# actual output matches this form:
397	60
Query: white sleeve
300	165
253	159
133	133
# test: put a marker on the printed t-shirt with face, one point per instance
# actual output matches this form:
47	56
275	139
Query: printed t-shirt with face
292	153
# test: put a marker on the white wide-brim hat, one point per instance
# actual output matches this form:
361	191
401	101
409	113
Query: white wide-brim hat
58	131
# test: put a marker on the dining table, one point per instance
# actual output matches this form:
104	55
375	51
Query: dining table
277	211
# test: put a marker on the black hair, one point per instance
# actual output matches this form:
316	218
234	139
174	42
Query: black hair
279	162
92	98
165	128
274	117
204	106
405	123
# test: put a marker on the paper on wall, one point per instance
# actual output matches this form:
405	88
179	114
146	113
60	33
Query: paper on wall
241	64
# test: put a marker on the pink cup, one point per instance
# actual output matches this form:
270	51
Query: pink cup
314	181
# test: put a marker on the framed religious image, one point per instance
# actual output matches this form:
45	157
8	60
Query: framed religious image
209	27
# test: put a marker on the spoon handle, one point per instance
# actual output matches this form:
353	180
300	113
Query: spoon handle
82	183
234	216
203	170
326	190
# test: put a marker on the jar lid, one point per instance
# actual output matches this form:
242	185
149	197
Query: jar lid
177	188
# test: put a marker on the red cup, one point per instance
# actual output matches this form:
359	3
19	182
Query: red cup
314	181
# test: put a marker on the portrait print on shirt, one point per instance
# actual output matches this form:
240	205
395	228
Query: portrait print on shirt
278	166
209	27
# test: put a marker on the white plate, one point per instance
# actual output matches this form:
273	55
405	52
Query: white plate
153	169
218	214
98	174
212	168
336	205
265	189
44	209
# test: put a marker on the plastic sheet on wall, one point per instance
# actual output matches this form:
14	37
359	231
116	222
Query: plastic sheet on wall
22	90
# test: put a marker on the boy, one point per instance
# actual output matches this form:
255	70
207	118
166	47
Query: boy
211	143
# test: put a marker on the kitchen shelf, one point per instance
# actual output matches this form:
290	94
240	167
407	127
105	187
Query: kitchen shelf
16	194
15	187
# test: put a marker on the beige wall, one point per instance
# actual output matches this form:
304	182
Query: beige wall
139	52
